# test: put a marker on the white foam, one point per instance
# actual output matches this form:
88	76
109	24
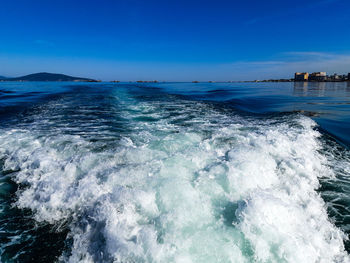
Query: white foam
231	191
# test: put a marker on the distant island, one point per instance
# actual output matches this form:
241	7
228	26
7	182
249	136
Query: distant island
44	76
146	81
2	77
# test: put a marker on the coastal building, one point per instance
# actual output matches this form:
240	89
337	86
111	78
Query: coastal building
336	77
318	76
343	77
301	76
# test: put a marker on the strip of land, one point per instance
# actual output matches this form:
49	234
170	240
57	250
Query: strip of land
44	76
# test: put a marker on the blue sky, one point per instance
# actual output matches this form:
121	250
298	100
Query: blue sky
174	40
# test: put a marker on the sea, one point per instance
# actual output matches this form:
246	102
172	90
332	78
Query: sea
174	172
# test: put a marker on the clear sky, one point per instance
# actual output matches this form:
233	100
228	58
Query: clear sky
174	40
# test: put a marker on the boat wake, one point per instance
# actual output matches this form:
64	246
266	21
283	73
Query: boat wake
173	180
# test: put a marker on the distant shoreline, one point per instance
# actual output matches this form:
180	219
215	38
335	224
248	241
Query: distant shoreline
292	80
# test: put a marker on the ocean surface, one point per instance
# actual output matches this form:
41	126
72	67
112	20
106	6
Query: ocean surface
174	172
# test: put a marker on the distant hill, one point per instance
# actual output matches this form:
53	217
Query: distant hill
44	76
2	77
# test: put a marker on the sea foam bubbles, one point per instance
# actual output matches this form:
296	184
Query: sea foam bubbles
187	183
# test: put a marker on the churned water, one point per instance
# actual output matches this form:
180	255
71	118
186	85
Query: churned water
174	172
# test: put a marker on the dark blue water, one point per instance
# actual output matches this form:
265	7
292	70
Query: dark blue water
174	172
326	102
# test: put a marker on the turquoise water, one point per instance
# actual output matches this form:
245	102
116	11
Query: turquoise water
174	172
